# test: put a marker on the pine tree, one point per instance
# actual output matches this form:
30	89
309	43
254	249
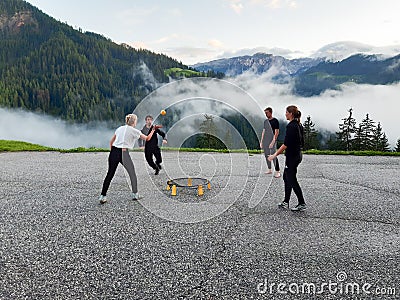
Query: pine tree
380	141
366	135
208	136
310	135
397	149
357	143
346	131
384	143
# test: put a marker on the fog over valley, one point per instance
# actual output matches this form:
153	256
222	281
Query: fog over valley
326	111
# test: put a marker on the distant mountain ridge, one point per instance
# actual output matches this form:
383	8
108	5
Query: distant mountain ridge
359	68
258	63
312	76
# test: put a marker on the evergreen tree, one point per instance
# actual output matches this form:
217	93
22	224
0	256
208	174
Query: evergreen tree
346	131
384	144
310	135
208	136
380	141
366	133
357	143
397	149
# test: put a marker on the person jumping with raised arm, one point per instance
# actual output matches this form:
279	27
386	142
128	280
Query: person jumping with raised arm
151	146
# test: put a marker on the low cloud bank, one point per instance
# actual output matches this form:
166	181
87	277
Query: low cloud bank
44	130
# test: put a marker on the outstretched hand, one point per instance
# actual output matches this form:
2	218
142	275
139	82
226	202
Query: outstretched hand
157	127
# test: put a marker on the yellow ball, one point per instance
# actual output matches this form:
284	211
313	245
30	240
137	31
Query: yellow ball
163	112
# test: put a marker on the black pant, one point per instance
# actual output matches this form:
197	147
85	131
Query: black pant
116	157
149	152
290	179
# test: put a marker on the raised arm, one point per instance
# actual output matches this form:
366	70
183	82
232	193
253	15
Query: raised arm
147	137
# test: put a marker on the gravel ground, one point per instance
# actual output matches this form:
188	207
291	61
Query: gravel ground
58	242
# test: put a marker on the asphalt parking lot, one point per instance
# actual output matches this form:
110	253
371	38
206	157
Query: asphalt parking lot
58	242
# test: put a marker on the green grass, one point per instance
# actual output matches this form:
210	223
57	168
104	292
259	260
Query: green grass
83	149
178	72
355	153
15	146
211	150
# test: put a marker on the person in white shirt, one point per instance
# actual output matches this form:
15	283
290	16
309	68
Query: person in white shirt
123	139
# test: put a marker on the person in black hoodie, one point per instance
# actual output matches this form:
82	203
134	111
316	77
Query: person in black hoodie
151	147
294	141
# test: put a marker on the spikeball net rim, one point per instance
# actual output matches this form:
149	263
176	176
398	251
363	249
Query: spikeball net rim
194	185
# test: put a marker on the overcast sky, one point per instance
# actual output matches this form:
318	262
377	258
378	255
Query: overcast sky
198	31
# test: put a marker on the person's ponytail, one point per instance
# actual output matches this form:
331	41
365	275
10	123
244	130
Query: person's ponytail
297	116
131	119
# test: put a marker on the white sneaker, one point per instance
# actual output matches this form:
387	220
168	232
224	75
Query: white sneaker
299	207
269	171
135	196
277	174
102	199
283	205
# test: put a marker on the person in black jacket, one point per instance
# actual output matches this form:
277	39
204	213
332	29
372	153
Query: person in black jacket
151	147
292	145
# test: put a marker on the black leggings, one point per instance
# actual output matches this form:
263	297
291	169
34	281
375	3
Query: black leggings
149	152
116	157
290	179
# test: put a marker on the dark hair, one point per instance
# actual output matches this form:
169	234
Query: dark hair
295	112
268	109
148	116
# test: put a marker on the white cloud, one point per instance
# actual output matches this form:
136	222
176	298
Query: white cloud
135	16
215	43
175	12
44	130
191	55
327	109
237	7
167	38
139	45
341	50
275	4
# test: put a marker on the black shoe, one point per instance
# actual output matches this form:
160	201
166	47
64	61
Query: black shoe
157	171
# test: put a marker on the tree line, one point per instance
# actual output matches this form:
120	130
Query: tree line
49	67
366	135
